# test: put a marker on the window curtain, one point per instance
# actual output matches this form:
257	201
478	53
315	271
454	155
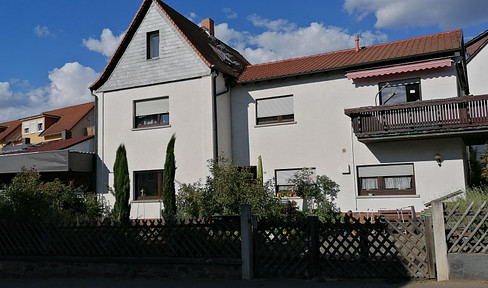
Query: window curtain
398	183
369	183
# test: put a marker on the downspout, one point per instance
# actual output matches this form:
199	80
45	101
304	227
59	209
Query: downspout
96	140
214	74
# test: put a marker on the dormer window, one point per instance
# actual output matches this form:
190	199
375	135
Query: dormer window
153	45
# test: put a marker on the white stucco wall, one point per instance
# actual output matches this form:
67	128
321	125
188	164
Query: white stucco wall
477	71
190	106
321	136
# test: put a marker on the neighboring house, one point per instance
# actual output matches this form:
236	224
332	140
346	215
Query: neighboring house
10	132
389	123
64	123
57	143
477	54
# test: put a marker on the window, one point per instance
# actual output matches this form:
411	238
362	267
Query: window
153	45
274	110
395	92
148	184
284	187
153	112
39	127
386	180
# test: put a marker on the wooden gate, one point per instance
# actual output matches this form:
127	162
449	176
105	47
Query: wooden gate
307	248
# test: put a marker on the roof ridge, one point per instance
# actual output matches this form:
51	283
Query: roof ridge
349	49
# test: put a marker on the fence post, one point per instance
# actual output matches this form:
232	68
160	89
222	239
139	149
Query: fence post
429	245
313	233
442	265
246	243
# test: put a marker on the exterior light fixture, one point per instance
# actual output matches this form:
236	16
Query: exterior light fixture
438	158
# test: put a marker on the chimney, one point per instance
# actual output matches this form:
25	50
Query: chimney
357	43
208	25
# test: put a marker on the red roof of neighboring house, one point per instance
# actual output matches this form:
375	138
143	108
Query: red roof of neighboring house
10	130
196	37
69	117
58	144
474	45
51	145
424	46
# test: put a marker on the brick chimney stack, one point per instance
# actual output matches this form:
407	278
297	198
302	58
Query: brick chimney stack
208	25
357	43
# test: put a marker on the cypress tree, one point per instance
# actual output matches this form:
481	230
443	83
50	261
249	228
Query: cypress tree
169	191
121	186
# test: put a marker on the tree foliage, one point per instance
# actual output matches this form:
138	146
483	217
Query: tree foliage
27	198
121	185
318	192
169	191
224	191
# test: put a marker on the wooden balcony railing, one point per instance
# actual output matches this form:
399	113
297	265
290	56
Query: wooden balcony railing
431	116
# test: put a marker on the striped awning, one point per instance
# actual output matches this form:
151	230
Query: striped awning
399	69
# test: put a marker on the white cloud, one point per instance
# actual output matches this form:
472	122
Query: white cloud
446	14
285	40
69	86
273	25
229	13
43	31
106	45
193	16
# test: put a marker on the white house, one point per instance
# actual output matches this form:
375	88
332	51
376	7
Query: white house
389	123
476	63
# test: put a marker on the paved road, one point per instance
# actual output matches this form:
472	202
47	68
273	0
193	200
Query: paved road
204	283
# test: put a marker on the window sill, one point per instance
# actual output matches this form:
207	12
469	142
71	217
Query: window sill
151	127
147	201
275	124
387	196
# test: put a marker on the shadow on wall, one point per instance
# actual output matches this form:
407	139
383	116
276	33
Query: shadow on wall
418	150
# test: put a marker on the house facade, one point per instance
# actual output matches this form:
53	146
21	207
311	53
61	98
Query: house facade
373	119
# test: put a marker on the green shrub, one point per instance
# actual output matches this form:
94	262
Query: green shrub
28	198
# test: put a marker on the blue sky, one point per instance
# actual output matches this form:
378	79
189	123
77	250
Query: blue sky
52	50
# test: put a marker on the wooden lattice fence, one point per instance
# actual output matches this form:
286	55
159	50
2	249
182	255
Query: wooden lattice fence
384	249
466	228
148	238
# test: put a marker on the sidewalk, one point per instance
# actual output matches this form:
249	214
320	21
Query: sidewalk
262	283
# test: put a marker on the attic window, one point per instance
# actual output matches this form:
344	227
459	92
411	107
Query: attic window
153	45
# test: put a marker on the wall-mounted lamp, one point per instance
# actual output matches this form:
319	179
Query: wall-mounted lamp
438	158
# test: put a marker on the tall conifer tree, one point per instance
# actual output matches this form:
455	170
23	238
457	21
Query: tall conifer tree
121	185
169	191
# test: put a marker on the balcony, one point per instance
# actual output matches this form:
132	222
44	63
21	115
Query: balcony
465	117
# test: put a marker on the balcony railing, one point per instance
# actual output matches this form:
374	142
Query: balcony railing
422	117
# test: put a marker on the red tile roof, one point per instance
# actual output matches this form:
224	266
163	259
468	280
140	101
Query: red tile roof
51	145
424	46
10	131
196	37
58	144
69	117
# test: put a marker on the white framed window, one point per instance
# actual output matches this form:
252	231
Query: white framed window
284	186
151	112
153	44
394	179
401	91
275	110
